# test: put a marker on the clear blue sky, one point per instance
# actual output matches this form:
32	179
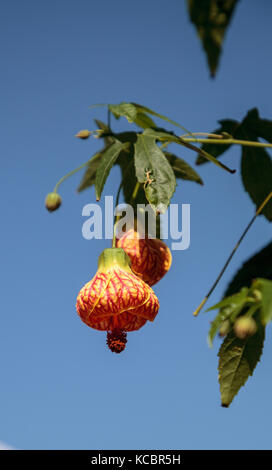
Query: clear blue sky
60	387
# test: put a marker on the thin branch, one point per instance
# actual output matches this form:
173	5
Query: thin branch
228	142
258	211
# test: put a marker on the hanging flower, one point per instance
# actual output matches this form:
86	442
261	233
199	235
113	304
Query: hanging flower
116	300
150	258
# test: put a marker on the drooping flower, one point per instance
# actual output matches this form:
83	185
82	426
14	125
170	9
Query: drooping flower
116	300
150	258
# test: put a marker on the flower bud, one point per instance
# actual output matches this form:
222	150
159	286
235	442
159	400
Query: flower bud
244	327
84	134
224	329
52	201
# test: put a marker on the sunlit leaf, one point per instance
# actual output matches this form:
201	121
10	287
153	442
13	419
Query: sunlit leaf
128	110
155	172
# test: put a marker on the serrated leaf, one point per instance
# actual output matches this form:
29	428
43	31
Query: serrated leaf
211	19
164	136
255	126
130	181
265	287
227	125
256	164
182	169
155	172
256	171
237	361
128	110
89	175
109	156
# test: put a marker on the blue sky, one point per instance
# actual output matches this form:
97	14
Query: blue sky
60	387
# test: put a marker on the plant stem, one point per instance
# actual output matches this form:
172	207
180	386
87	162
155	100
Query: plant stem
227	142
116	218
207	134
109	118
258	211
135	192
70	174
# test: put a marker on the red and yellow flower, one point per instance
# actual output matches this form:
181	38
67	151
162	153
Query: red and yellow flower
116	300
150	258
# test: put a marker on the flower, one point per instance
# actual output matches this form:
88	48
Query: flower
116	300
150	257
52	201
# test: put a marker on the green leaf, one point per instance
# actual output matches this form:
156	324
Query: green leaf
164	136
237	361
109	156
217	322
126	137
265	287
231	301
211	19
228	126
129	180
144	109
144	121
128	110
182	169
230	307
255	126
259	265
151	164
89	175
256	164
256	171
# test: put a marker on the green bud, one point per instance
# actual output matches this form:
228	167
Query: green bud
52	201
245	327
225	328
257	295
84	134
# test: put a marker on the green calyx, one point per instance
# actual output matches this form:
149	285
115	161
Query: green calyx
111	257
